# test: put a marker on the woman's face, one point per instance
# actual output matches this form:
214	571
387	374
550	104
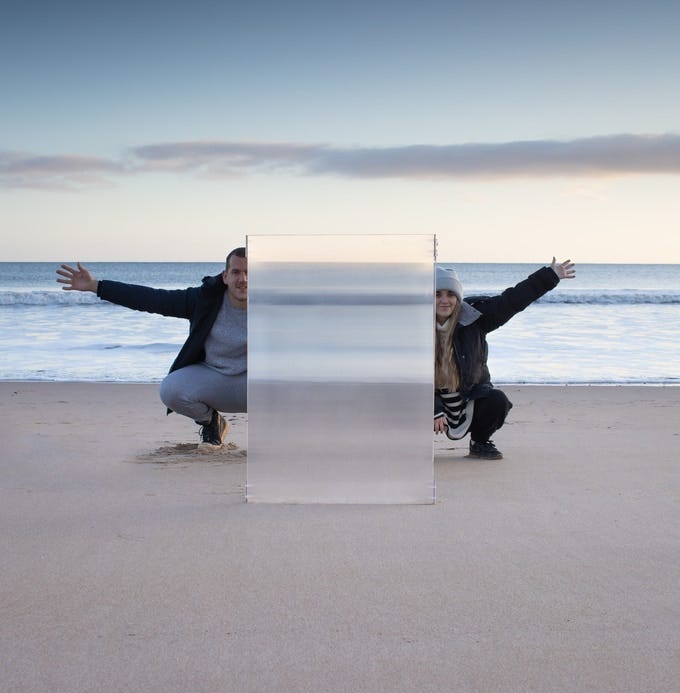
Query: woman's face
445	304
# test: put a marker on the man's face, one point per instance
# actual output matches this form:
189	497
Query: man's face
236	278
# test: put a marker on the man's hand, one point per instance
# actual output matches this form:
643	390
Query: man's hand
564	270
76	279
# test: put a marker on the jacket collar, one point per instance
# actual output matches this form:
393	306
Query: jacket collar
214	284
468	314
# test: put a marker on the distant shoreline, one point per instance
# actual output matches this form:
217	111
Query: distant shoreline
496	383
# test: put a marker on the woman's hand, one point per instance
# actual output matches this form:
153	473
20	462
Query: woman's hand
564	270
440	424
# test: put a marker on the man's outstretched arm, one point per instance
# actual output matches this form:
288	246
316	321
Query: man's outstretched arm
176	303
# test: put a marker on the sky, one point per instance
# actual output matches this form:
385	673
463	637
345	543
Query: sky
170	131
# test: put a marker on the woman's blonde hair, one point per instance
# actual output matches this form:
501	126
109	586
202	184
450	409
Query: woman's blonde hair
445	370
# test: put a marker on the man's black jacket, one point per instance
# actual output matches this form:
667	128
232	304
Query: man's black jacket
198	304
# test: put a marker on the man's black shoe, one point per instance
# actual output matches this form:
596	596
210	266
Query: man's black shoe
485	451
213	433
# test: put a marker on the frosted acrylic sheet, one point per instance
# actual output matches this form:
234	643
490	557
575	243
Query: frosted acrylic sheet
340	369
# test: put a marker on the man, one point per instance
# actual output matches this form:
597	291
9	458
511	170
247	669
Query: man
465	400
209	374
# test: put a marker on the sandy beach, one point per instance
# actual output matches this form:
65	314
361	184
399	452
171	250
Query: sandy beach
131	562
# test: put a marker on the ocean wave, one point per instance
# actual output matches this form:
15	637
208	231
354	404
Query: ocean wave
47	298
150	347
585	297
621	297
604	298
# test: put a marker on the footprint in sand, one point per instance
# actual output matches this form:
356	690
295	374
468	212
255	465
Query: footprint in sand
229	453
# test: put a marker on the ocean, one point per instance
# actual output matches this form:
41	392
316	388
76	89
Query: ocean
612	324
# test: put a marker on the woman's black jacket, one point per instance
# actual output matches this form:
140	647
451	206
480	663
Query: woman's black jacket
470	347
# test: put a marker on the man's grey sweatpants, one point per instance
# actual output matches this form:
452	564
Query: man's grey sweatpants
196	390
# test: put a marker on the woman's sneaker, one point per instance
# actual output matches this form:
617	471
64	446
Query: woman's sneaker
213	433
486	451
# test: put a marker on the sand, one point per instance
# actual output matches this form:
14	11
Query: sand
130	562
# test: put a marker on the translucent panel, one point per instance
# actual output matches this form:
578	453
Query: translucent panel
340	369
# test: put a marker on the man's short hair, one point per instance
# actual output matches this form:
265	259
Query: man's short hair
239	252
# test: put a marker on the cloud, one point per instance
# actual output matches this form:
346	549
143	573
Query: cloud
60	172
610	155
596	156
587	157
223	158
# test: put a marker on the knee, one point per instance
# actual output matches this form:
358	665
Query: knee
496	403
500	400
168	392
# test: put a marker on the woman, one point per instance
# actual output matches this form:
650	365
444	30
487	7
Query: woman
465	400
